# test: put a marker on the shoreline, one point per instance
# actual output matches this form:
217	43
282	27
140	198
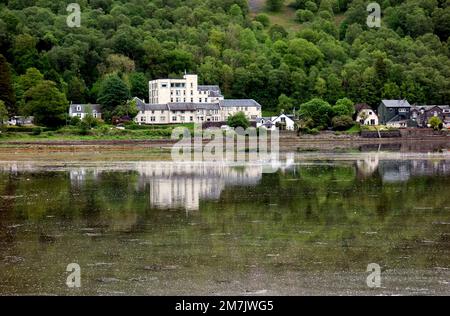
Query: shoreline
285	139
142	150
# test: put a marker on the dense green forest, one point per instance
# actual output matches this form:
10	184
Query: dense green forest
122	44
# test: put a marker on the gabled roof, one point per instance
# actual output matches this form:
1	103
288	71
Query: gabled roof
396	103
430	107
274	118
82	108
362	106
209	88
182	106
239	102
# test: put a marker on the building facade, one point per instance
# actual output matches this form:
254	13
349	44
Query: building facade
175	101
423	113
365	115
81	110
281	122
395	113
186	90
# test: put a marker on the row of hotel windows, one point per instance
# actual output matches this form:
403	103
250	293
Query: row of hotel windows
183	111
178	92
175	119
200	100
172	85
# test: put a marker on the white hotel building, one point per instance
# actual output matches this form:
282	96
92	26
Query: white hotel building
174	101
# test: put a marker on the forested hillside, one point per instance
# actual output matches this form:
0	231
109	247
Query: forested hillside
122	44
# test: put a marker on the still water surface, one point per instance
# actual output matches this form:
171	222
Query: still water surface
156	228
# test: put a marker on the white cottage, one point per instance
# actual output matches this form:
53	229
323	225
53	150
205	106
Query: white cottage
366	115
281	122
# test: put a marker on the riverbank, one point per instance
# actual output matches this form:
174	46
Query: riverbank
133	150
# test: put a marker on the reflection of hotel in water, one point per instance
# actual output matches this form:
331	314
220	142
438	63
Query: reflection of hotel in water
184	185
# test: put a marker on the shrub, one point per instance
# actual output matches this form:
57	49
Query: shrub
304	16
311	6
37	131
238	120
342	123
74	121
436	123
313	131
19	129
263	19
326	15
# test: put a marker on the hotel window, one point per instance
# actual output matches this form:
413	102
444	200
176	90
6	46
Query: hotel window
79	108
142	118
191	118
162	118
153	119
200	100
192	100
174	118
192	92
163	85
184	100
171	100
182	118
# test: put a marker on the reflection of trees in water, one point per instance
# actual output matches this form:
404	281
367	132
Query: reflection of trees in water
312	213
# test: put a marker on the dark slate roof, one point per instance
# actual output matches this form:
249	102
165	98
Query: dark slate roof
215	94
152	107
208	106
182	106
83	108
213	91
240	103
139	102
209	88
430	107
396	103
362	106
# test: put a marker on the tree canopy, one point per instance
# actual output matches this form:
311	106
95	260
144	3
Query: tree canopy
331	56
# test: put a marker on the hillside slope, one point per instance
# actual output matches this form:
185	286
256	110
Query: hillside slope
281	63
